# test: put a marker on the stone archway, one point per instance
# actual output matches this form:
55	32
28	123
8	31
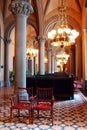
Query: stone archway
50	23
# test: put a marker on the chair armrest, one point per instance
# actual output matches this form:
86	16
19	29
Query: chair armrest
52	101
14	99
53	98
32	98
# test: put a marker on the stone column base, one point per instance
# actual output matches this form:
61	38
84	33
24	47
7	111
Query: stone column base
23	95
7	83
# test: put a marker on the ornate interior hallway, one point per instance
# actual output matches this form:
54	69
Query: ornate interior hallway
68	114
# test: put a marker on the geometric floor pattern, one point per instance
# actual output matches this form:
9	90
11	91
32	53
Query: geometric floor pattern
68	115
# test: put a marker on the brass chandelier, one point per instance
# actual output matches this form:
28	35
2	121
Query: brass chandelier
31	51
62	57
62	35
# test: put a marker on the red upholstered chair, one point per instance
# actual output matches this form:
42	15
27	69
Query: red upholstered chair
44	101
18	104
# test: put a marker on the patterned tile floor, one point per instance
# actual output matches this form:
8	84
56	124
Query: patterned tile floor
68	115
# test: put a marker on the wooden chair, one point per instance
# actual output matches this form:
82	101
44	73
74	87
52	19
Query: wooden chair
18	104
43	101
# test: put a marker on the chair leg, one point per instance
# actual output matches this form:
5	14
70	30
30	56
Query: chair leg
10	114
52	116
32	115
38	113
18	113
29	115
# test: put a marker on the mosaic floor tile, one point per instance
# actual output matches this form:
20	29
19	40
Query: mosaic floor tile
68	115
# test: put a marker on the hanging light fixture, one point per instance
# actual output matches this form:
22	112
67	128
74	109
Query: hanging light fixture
62	35
62	57
31	51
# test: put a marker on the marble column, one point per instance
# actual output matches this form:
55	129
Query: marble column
55	65
42	56
21	10
76	65
34	65
49	58
32	68
6	68
85	56
52	63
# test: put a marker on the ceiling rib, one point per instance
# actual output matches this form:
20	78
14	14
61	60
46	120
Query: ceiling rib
47	4
78	4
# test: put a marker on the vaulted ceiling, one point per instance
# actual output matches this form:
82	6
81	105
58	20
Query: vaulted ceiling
46	11
45	16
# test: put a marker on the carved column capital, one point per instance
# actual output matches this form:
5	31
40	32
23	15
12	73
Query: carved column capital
41	38
85	30
8	40
21	7
49	47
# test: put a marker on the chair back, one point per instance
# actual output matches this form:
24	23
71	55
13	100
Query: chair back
30	91
44	94
14	99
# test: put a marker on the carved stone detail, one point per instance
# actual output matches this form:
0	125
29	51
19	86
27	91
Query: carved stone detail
8	40
41	38
21	7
